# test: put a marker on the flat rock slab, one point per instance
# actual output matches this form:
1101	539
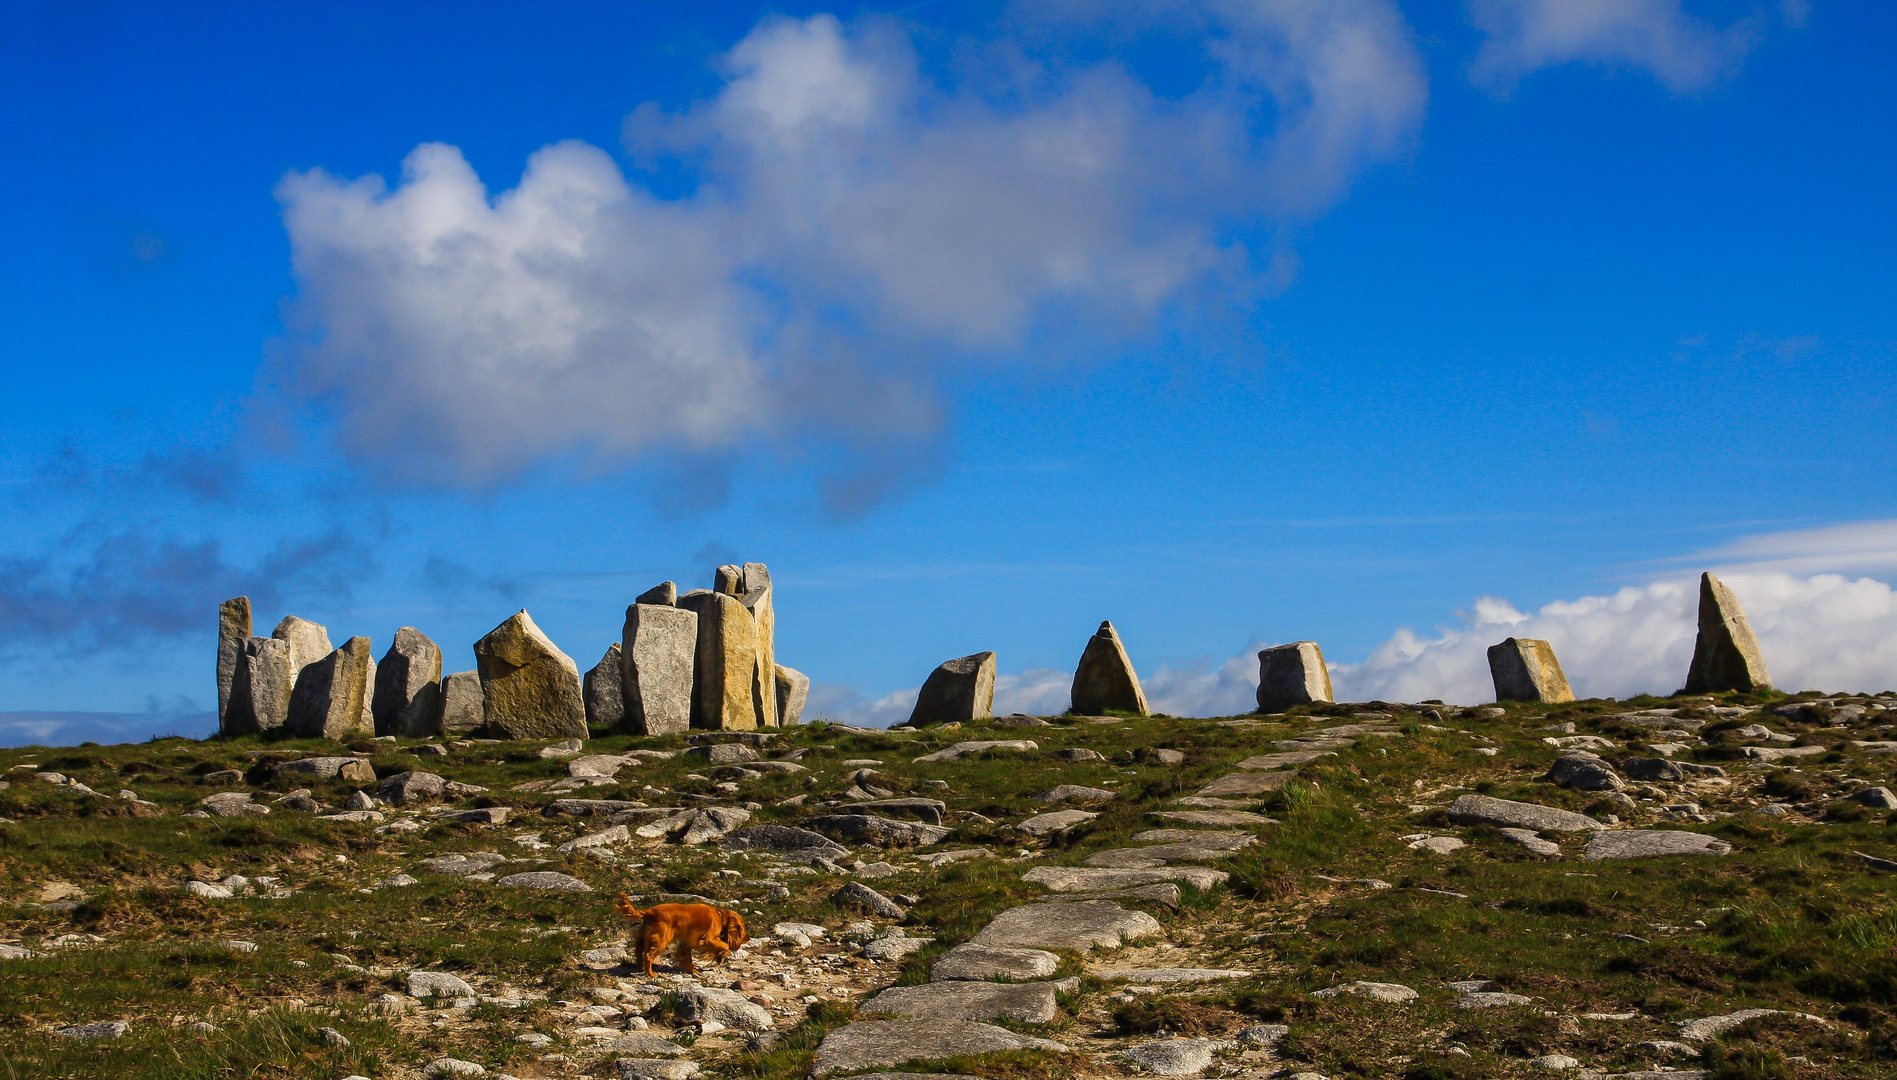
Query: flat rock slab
1169	976
969	961
1073	793
1390	993
1057	822
1213	817
1216	803
1192	836
1504	814
544	879
1314	742
1174	1057
1242	784
1163	893
1078	926
1547	849
1711	1027
1280	761
1490	999
865	1045
1031	1003
1067	879
964	749
1651	843
472	862
783	840
881	831
1780	753
1144	858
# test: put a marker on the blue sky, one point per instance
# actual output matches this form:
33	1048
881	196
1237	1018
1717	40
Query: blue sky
1232	323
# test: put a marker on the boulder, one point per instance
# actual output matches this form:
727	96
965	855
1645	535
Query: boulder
725	664
1079	926
793	691
1057	822
1583	771
260	687
1174	1057
658	652
423	984
858	893
600	691
1389	993
1650	843
350	770
929	810
1292	674
979	963
233	629
964	749
308	642
958	691
1105	678
700	1004
463	710
410	787
723	753
1524	669
1502	813
407	700
866	1045
1726	655
1653	769
784	840
880	831
332	696
1029	1003
529	688
664	594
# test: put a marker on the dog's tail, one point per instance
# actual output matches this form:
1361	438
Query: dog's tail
624	904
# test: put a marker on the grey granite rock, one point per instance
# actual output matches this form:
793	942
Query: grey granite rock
1174	1057
793	693
958	691
658	658
858	893
784	840
1057	822
233	630
1524	669
544	879
463	710
1504	813
1651	843
601	694
867	1044
1031	1003
1292	674
1079	926
1090	879
331	697
407	700
972	962
880	831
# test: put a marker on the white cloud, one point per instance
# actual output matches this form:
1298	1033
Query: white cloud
1860	546
854	224
1682	52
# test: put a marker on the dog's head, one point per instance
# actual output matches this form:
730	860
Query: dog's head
735	934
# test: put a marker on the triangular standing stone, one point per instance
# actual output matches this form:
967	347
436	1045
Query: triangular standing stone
1726	656
1105	678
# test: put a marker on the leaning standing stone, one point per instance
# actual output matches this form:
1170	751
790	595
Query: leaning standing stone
462	710
233	629
793	690
529	688
960	690
1726	656
1292	674
726	665
260	692
658	651
1105	678
600	689
332	695
1526	670
408	687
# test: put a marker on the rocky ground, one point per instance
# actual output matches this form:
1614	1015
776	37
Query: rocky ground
1652	888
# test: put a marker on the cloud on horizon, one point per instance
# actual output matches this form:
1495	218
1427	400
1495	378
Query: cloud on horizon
857	224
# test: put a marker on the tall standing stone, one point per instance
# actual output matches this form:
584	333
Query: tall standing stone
657	654
664	594
233	629
1726	656
758	600
408	687
960	690
529	688
308	641
1526	670
600	689
260	687
1105	678
724	674
331	697
463	709
793	691
1292	674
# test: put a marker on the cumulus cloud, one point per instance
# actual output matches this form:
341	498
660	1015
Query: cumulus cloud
1682	52
853	223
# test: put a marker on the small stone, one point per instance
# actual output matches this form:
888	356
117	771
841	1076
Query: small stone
1490	1000
1554	1062
1057	822
1438	845
964	749
1391	993
1263	1034
700	1005
1031	1003
1547	849
859	893
1503	813
1072	793
423	984
1584	772
1174	1057
546	880
104	1029
448	1066
1080	926
332	1038
207	891
407	787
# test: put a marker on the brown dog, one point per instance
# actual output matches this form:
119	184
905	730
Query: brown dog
716	930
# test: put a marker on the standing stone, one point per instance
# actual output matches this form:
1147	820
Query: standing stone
233	630
407	699
529	688
664	594
462	707
729	580
960	690
330	695
757	600
605	704
1292	674
1726	656
793	691
1105	678
1526	670
657	655
308	641
724	674
260	688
